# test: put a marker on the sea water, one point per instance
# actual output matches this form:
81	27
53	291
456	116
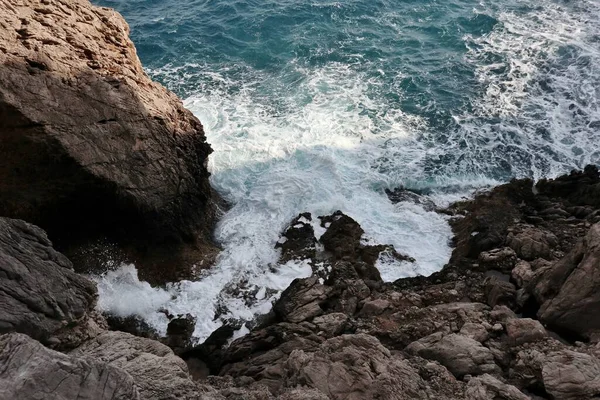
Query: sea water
320	106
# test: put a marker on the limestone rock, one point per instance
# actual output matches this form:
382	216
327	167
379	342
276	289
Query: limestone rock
571	375
28	370
503	259
575	306
87	136
486	387
499	292
530	243
524	330
475	331
355	367
460	354
156	371
39	292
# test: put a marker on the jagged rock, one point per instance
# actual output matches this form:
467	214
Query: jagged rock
575	306
530	243
87	136
522	274
524	330
39	292
499	292
502	314
578	187
179	333
343	234
331	324
571	375
156	371
373	307
355	367
298	241
402	194
486	387
28	370
503	259
476	332
301	300
460	354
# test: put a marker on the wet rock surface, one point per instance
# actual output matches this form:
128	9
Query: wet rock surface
486	326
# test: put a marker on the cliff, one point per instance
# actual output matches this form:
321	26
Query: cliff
90	147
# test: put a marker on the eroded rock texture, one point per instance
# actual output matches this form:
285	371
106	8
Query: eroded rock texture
90	147
39	292
28	370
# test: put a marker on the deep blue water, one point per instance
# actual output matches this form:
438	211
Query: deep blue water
320	105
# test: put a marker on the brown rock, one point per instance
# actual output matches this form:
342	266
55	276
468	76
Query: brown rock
530	243
499	292
87	136
575	306
524	330
460	354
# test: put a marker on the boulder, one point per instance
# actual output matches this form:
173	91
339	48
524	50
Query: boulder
530	243
524	330
460	354
474	331
87	136
301	300
39	292
486	387
29	370
298	241
356	367
522	274
574	308
343	234
571	375
503	259
156	371
499	292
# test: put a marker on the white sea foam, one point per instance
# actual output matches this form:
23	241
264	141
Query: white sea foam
321	142
540	69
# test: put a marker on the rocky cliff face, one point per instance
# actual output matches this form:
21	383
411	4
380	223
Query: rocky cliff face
90	147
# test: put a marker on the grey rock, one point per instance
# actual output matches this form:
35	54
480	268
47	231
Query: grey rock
475	331
503	259
460	354
531	243
499	292
374	307
156	371
39	292
575	306
486	387
331	324
356	367
522	274
524	330
571	375
28	371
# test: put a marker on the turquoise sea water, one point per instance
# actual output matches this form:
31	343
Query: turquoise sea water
320	105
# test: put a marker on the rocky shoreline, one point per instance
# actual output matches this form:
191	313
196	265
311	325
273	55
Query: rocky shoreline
110	167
